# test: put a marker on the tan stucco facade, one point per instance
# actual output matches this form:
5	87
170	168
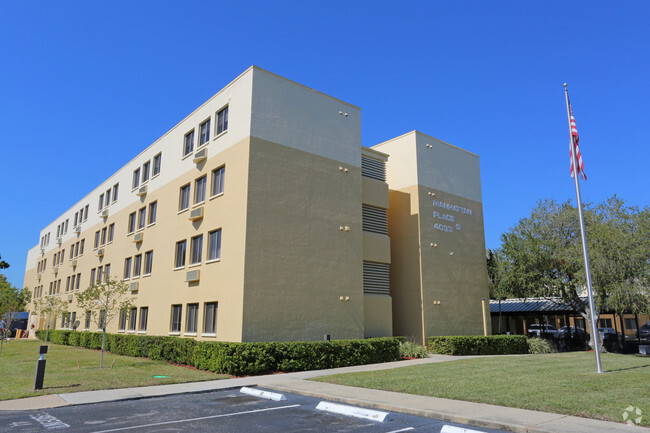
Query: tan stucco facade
308	232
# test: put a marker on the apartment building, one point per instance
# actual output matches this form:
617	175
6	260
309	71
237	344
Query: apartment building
260	217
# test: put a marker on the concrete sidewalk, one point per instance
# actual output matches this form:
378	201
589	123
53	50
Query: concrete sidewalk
476	414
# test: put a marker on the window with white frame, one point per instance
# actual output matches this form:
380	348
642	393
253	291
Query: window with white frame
122	324
222	120
199	189
108	197
176	318
192	318
179	260
142	217
145	171
214	245
133	319
111	232
184	197
210	318
188	143
99	207
131	226
156	165
136	178
137	265
153	207
127	268
196	247
144	314
148	262
115	190
204	131
218	176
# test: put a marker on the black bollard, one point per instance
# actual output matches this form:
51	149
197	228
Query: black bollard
40	368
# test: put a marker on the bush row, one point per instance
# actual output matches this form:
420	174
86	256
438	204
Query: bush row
238	359
479	345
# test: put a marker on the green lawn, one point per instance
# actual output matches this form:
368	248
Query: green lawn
18	365
565	383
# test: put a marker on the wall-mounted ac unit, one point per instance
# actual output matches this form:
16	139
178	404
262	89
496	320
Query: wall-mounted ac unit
42	251
77	229
196	214
59	241
192	276
138	238
134	286
70	298
100	252
73	263
142	191
104	213
200	155
55	269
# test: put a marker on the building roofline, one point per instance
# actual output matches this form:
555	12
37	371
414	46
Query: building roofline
415	131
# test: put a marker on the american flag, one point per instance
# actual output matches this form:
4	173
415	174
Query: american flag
574	141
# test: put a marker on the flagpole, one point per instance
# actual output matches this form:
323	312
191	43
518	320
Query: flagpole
576	168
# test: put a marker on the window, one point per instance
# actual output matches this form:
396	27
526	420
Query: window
137	265
92	276
176	318
81	247
127	268
148	262
188	143
115	189
108	197
72	285
217	181
196	246
180	254
152	212
96	239
107	272
210	319
132	222
222	120
184	200
156	164
67	285
144	313
133	319
142	217
86	213
78	281
88	316
102	319
136	178
145	171
76	218
122	320
99	274
199	189
100	207
214	245
192	317
103	236
205	132
111	232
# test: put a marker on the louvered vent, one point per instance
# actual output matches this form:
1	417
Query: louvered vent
373	168
376	278
374	219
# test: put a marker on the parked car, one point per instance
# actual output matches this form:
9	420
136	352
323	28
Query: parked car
576	333
536	330
644	332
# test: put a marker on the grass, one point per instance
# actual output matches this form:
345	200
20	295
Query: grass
565	383
18	366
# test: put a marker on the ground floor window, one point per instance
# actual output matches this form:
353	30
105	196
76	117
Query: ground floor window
144	313
210	319
176	318
192	317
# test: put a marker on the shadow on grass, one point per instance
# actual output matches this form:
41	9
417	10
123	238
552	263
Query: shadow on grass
627	368
62	386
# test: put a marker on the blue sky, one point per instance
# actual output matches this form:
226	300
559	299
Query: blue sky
85	86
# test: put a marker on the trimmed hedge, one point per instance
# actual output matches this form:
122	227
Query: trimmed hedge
238	359
479	345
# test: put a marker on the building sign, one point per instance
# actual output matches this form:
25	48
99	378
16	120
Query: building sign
448	214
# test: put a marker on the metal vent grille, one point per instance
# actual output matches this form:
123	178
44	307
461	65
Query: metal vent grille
374	219
376	278
373	168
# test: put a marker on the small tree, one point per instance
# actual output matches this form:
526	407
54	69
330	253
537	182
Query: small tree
53	307
105	301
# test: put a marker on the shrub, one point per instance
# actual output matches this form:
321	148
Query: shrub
238	358
479	345
540	345
410	349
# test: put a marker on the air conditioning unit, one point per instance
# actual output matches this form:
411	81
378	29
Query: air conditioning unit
200	155
100	252
38	276
73	263
59	240
142	191
196	214
55	269
70	298
77	229
192	276
138	238
134	286
42	251
104	213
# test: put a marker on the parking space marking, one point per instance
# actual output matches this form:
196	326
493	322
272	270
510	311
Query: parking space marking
404	429
199	419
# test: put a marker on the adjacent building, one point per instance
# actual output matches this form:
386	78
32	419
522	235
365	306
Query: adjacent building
260	217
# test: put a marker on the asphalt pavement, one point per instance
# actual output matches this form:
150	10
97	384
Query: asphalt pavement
454	411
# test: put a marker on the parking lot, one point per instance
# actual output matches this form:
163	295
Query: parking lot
221	411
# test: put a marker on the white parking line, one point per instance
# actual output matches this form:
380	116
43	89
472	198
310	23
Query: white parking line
404	429
197	419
